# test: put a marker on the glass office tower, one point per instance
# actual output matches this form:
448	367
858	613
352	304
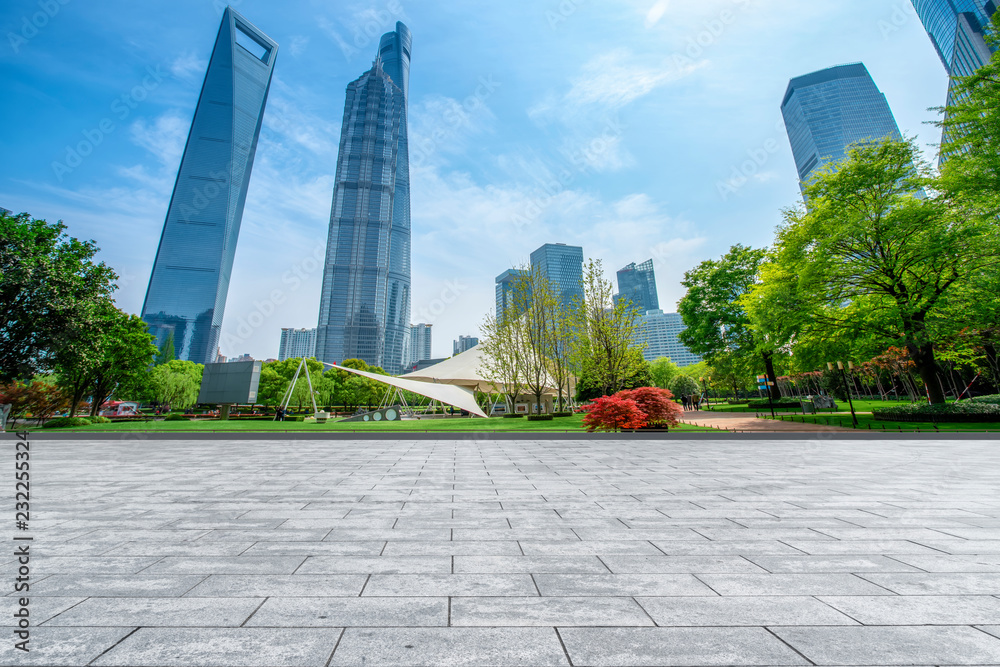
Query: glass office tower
827	111
364	308
187	290
637	283
562	265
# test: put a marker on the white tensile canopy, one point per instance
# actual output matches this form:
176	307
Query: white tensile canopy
450	394
465	370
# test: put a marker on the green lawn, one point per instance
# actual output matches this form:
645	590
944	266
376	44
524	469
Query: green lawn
560	424
867	422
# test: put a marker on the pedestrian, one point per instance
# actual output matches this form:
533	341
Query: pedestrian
697	402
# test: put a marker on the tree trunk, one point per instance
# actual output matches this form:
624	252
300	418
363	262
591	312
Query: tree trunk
927	368
771	377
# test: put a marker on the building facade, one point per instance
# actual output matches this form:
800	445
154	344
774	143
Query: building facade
827	111
637	283
297	343
189	283
463	344
420	343
660	332
561	265
505	285
364	308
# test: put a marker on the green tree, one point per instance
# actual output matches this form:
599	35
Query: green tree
176	383
684	385
715	316
166	353
873	254
46	280
662	371
125	353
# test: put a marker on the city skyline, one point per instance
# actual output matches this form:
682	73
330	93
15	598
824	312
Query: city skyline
189	282
489	136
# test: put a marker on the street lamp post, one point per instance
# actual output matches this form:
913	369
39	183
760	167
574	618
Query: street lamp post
843	374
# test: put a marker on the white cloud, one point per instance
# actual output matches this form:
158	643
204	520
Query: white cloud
188	65
298	45
656	12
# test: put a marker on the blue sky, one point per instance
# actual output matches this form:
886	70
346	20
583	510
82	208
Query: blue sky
619	125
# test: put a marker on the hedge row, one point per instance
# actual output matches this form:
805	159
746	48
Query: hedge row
73	422
963	412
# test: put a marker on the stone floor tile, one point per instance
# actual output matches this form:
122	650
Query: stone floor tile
863	547
583	585
620	564
587	548
449	647
893	646
227	565
945	583
532	564
548	611
158	612
65	647
313	612
40	609
376	565
791	584
135	585
918	609
667	647
224	647
279	585
407	585
948	563
741	611
451	548
830	564
91	564
314	549
726	548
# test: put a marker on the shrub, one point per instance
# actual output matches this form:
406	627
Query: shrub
176	418
67	422
657	404
961	412
568	413
100	420
512	416
993	399
613	413
539	418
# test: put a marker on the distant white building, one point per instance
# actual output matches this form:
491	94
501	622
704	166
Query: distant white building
660	331
296	343
245	357
463	344
420	343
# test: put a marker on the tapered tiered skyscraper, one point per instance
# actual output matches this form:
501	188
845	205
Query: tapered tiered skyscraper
364	310
827	111
187	290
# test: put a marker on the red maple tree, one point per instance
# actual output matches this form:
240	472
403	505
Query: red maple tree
613	413
657	404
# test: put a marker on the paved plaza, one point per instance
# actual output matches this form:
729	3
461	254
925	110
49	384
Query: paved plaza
529	553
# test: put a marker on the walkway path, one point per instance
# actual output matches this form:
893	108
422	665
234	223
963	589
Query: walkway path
517	553
746	421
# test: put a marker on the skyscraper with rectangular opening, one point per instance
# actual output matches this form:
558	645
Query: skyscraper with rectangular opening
186	297
827	111
364	308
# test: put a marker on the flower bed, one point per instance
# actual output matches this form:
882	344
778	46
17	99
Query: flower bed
963	412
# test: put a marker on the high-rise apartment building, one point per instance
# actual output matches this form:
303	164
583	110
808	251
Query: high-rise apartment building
189	283
660	332
297	343
464	344
561	265
364	308
506	283
420	343
637	283
827	111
